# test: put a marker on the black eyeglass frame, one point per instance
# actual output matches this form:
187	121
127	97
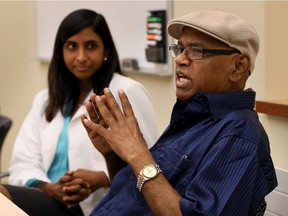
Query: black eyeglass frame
204	51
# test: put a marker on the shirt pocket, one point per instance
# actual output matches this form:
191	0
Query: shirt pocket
177	167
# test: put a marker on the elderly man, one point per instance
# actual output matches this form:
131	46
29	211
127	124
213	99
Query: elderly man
214	157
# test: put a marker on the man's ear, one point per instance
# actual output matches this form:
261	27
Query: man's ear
241	68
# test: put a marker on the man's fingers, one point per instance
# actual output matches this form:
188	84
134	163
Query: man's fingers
109	108
92	109
93	129
85	126
105	112
127	108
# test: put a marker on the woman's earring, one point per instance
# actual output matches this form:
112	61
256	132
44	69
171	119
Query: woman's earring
105	59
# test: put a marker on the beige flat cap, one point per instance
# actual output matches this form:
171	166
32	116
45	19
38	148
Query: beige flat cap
233	30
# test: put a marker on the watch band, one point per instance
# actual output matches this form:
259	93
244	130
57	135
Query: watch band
141	177
140	182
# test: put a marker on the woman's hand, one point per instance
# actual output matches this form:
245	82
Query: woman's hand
95	179
76	189
68	190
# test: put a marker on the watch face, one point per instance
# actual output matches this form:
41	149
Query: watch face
150	171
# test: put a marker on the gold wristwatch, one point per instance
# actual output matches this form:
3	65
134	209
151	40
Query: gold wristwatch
147	173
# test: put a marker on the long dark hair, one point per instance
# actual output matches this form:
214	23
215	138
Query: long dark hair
63	86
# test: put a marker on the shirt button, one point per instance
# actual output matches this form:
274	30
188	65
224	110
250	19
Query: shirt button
108	206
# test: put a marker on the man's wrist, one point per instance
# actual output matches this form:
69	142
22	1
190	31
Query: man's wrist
148	172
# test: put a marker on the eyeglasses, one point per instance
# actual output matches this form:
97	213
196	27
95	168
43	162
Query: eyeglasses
196	52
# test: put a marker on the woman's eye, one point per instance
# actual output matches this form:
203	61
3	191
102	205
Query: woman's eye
92	46
71	46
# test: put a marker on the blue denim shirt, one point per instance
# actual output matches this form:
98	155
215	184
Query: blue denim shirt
215	153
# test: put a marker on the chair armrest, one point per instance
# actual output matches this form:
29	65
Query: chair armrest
4	174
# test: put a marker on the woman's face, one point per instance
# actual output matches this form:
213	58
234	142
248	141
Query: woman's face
84	53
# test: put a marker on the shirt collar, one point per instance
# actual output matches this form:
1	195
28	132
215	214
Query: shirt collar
217	104
223	103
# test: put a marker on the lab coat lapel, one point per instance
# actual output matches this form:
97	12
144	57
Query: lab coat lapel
50	141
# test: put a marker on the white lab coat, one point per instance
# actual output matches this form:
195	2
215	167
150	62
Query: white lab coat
37	139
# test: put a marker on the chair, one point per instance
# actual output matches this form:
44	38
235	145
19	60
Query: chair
5	125
261	208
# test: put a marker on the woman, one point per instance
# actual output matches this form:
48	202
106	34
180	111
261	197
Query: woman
52	152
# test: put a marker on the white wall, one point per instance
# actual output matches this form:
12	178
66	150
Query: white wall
21	74
276	46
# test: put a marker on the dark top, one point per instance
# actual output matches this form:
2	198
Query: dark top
215	153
